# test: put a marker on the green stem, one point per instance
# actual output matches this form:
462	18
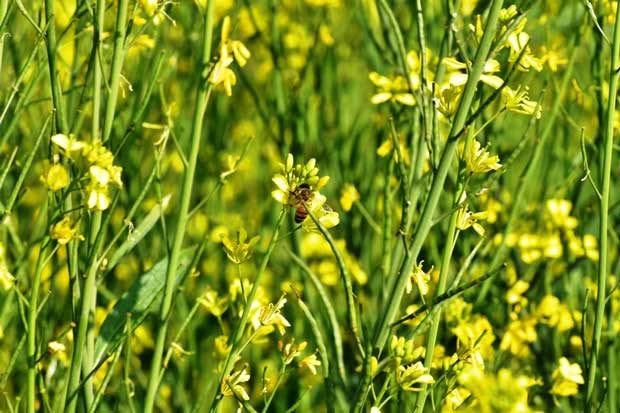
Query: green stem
61	122
201	105
441	288
117	64
32	328
275	388
604	213
98	34
80	348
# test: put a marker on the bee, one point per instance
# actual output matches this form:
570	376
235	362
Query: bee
301	194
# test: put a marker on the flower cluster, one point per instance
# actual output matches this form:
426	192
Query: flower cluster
102	173
290	180
230	50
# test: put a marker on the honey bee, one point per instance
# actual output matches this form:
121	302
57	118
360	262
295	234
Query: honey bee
301	194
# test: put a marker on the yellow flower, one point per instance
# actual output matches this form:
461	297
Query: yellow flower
310	362
232	385
6	278
454	399
239	251
448	98
566	378
221	347
349	197
213	303
395	89
58	350
518	335
553	59
56	177
234	47
68	143
290	350
457	75
63	231
477	159
516	43
222	76
408	377
269	315
559	211
518	101
291	176
326	217
420	278
466	219
406	350
515	293
554	313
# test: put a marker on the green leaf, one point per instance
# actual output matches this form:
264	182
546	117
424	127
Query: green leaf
139	232
137	301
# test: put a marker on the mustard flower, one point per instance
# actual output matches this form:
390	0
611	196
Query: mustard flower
388	144
466	219
54	347
56	177
421	279
515	293
326	217
291	176
454	399
68	143
553	59
290	350
518	335
348	197
406	351
232	384
516	43
269	315
221	347
394	89
213	303
408	377
501	392
64	231
239	251
223	76
447	98
477	159
559	211
457	74
6	278
518	101
234	47
552	312
311	363
97	189
566	378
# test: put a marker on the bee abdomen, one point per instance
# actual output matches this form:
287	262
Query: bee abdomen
300	215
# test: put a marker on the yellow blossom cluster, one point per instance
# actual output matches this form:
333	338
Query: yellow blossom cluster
102	172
